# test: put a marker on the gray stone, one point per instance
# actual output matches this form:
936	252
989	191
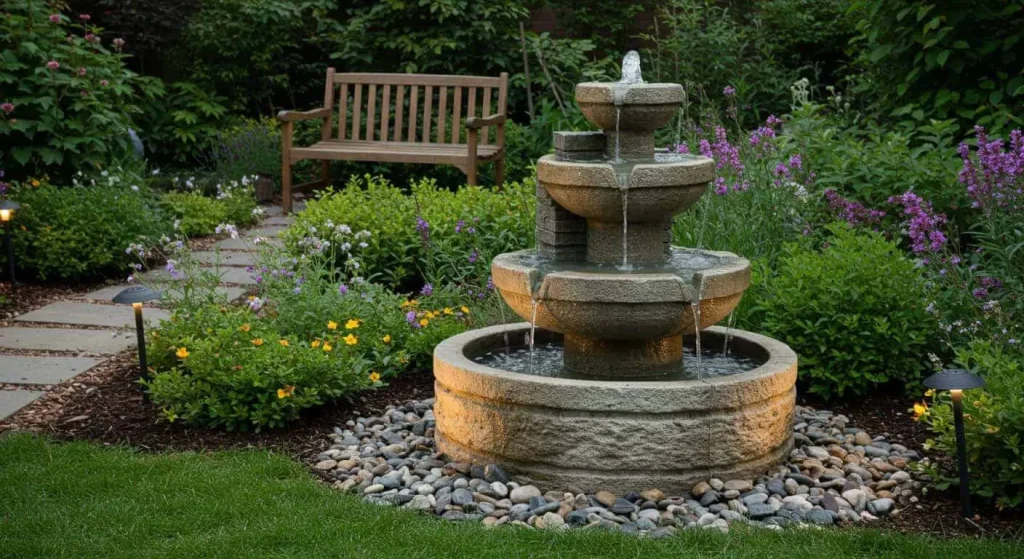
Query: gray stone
495	474
819	516
90	314
740	485
13	400
646	524
875	452
857	498
816	452
462	497
775	486
245	244
761	510
755	498
550	520
621	506
709	498
881	507
66	339
523	494
19	369
419	502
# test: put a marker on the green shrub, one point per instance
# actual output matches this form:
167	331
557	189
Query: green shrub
183	122
428	236
251	148
223	367
81	232
993	423
854	312
193	213
67	100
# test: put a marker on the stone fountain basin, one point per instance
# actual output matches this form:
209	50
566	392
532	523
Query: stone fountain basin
618	305
657	189
644	107
615	435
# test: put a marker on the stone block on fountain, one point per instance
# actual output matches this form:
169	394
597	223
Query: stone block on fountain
580	145
561	235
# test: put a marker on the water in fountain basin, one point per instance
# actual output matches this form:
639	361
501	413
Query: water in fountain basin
546	359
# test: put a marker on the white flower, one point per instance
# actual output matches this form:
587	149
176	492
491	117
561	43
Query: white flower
135	188
156	172
177	224
363	245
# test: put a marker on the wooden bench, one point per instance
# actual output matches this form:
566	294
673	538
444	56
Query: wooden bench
419	120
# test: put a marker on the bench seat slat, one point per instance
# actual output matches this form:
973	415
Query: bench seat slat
399	152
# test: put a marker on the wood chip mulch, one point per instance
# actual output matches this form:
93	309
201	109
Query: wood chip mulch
106	405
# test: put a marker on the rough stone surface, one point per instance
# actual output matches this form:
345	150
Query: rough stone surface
566	432
22	369
225	258
66	339
90	314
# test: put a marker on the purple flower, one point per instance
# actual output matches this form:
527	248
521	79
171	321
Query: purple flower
993	176
424	229
851	211
682	148
980	293
171	269
255	304
729	91
342	289
923	225
490	283
473	256
410	317
427	290
459	225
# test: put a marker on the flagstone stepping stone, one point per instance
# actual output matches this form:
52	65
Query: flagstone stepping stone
245	244
13	400
226	258
66	339
236	275
279	220
23	369
90	314
160	282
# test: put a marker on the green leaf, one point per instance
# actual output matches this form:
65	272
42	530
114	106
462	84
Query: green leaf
942	57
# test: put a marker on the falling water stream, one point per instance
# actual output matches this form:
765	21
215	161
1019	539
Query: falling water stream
728	334
625	230
695	308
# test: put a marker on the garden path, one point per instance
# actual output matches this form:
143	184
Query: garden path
58	342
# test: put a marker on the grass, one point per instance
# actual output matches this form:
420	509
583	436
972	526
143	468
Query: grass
79	500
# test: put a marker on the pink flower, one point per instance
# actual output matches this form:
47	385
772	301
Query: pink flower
729	91
55	18
118	43
53	65
81	71
7	107
85	17
92	38
104	83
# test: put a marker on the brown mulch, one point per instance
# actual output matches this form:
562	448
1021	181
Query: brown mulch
106	405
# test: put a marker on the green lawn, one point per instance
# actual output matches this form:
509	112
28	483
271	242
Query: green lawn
79	500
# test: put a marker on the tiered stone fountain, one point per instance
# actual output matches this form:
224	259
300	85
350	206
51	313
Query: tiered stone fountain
619	380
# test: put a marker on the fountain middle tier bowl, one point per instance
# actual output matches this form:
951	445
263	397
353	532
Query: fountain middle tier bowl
615	435
599	301
641	107
657	187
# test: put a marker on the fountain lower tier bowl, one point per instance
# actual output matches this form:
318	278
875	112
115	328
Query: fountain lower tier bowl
656	187
618	436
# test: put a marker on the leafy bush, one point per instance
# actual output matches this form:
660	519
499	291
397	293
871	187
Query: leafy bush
993	422
221	367
854	312
67	100
923	59
183	122
428	236
194	213
252	148
80	232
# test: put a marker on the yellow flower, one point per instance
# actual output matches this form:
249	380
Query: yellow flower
285	392
464	309
35	182
374	376
257	342
182	352
352	324
991	429
244	327
424	322
314	343
328	347
332	325
920	409
447	310
351	340
387	338
283	342
930	392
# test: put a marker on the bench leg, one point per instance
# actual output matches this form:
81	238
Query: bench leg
325	173
471	173
286	187
499	172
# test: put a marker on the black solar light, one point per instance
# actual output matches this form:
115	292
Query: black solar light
956	381
135	296
7	211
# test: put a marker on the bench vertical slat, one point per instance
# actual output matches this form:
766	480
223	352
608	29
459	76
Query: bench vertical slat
325	130
342	110
385	113
399	111
485	132
442	110
371	111
502	107
428	104
471	109
457	115
414	103
357	108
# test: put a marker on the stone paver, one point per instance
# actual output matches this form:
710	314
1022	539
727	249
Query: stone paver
279	220
65	339
90	314
236	275
23	369
107	293
13	400
269	232
233	258
244	244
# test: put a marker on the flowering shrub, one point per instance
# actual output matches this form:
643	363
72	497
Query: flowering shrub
195	214
428	236
80	232
993	423
854	312
66	98
252	148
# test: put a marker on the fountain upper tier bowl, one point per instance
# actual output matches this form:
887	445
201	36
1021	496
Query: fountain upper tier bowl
659	186
599	301
642	107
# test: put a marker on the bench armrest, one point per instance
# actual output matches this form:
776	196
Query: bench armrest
476	122
291	116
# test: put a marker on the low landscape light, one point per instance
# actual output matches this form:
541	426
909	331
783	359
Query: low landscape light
956	381
7	210
135	296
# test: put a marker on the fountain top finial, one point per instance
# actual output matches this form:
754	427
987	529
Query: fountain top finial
631	68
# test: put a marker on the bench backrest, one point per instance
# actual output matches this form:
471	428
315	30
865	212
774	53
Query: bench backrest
415	108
